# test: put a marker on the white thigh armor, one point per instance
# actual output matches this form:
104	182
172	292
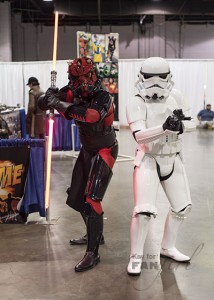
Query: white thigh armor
176	187
146	183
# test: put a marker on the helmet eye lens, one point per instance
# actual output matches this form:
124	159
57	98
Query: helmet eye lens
147	76
163	76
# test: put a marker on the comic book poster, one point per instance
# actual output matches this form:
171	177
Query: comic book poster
111	85
14	123
112	47
84	44
107	70
98	47
14	163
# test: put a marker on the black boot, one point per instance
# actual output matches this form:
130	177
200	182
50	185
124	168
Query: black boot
83	240
94	233
80	241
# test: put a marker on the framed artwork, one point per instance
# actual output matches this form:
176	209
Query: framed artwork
103	49
112	47
84	44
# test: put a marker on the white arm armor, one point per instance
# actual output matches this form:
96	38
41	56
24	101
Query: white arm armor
188	125
136	117
151	134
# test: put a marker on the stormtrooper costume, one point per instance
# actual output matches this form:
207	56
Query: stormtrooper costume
158	158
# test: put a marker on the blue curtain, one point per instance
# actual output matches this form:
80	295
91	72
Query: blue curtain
62	134
33	199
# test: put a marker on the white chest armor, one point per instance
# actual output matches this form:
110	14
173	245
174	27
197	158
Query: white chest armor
156	114
142	115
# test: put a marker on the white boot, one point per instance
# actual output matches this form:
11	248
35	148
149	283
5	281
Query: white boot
172	225
138	231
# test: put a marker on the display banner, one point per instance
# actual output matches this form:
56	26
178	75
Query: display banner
103	49
14	164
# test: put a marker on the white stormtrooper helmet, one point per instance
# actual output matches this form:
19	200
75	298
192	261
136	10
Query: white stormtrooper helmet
154	79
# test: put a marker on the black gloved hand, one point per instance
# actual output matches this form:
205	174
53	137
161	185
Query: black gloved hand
49	99
174	124
51	91
42	102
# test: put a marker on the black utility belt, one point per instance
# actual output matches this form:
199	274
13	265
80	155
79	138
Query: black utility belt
94	143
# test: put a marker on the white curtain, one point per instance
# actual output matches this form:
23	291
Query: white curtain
14	77
11	81
194	78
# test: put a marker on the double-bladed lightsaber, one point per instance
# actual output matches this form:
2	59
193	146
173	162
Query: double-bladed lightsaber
51	122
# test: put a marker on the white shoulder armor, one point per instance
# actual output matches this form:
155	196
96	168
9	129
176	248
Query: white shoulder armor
135	109
136	113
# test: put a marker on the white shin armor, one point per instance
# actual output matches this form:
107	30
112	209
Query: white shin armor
138	232
172	226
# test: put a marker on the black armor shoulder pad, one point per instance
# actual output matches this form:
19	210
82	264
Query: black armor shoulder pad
102	102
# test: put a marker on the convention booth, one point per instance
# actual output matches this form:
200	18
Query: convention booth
22	164
21	178
64	134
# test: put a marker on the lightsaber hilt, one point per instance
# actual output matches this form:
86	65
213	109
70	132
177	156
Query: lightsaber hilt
53	78
53	84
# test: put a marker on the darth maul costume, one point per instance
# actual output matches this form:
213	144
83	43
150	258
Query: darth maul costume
90	106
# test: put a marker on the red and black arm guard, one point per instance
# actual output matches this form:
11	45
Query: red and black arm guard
97	110
65	94
91	112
